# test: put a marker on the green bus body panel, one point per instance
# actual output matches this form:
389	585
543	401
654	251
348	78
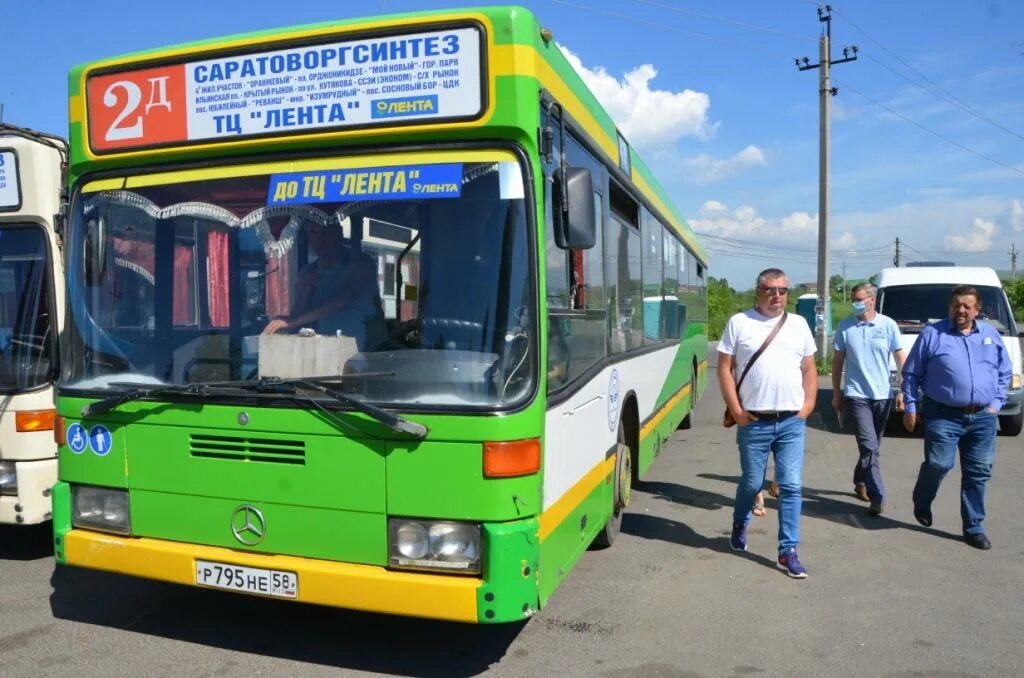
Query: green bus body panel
445	480
292	529
569	541
61	519
509	591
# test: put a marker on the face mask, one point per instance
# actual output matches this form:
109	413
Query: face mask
859	307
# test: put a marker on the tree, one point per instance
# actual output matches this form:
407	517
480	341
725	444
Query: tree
836	282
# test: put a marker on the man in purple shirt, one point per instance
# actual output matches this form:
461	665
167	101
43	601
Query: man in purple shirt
963	371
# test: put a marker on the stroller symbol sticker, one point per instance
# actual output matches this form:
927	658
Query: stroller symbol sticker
77	440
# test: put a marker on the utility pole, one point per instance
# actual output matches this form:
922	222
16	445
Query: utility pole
896	259
844	281
825	90
1013	261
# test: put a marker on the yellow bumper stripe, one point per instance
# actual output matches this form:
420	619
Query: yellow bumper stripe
356	587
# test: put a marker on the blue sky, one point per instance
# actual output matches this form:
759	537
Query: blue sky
927	130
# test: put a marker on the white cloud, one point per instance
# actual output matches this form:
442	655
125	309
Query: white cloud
847	242
647	117
709	169
979	239
1017	215
745	223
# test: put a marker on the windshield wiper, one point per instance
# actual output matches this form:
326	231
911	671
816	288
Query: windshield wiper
392	421
263	384
114	401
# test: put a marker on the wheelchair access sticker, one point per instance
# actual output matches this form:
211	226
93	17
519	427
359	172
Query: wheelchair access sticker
100	440
77	440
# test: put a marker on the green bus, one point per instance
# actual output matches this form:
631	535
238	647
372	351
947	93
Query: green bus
356	317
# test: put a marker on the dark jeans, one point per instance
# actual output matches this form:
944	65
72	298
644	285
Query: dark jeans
868	418
947	429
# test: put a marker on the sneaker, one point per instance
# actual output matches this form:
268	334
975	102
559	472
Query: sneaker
876	508
923	516
790	564
738	539
861	492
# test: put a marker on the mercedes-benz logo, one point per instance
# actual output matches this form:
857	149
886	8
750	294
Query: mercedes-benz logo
248	525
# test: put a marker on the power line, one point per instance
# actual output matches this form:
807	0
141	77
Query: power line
626	17
933	132
724	20
936	89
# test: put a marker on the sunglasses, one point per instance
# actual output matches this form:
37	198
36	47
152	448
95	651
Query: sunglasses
781	291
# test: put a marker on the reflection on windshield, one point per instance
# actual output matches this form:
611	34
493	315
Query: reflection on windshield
419	298
26	333
914	306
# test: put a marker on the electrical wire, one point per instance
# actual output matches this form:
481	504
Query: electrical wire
899	115
935	88
704	36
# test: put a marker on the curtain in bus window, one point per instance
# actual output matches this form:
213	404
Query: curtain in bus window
218	244
184	309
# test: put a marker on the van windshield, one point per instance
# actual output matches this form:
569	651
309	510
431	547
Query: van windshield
914	306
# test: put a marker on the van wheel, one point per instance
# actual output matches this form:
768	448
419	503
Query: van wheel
1010	425
620	497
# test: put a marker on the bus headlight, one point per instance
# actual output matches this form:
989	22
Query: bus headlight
1015	382
8	478
100	508
434	545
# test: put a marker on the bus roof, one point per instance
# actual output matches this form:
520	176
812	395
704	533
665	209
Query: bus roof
938	275
515	49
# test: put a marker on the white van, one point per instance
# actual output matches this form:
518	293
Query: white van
919	295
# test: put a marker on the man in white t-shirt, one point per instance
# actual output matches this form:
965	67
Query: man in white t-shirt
775	398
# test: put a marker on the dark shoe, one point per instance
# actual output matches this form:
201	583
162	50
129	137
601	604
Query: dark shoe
923	516
738	539
861	492
978	540
876	508
790	564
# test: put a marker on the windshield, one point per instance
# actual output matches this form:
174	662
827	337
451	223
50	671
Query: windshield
416	292
26	334
914	306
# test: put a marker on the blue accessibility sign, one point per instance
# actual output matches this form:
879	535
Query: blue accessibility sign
77	440
100	440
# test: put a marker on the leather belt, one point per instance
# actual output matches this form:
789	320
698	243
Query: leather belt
773	414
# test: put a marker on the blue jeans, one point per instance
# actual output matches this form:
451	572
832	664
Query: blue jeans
784	437
869	418
947	429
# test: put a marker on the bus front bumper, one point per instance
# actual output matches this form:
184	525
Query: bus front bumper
345	585
31	505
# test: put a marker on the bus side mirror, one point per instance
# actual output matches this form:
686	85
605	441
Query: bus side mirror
573	208
95	251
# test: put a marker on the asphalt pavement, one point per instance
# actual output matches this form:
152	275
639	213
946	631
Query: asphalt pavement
885	596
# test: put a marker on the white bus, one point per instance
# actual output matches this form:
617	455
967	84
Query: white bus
32	168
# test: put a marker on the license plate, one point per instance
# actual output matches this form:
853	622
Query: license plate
277	583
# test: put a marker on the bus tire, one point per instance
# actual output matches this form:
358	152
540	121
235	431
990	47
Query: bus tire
623	479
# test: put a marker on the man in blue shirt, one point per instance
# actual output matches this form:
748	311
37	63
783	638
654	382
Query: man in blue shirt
963	372
863	343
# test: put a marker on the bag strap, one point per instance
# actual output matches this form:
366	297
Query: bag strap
757	354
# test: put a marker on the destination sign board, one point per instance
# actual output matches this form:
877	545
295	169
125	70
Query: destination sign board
420	77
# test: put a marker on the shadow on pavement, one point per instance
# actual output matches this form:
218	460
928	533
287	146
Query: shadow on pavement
681	494
847	511
647	526
26	542
307	633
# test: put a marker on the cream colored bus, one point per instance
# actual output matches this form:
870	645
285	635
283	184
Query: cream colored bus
32	167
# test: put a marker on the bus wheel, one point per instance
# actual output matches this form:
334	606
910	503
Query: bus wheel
623	479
